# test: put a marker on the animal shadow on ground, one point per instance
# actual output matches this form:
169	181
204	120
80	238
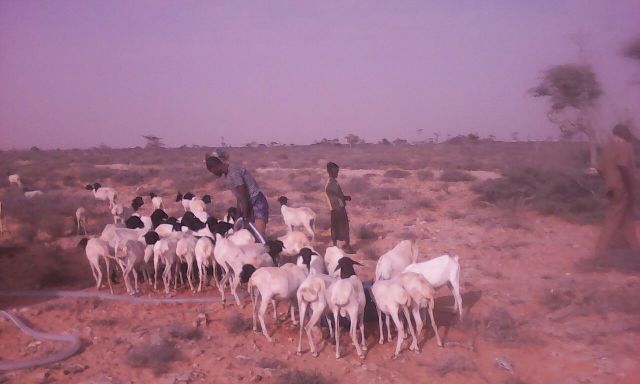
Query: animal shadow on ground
443	312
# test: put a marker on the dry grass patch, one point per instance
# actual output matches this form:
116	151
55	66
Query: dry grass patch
454	176
156	355
302	377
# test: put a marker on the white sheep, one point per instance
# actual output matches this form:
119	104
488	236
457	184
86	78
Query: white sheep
204	259
316	263
103	193
346	298
95	249
201	215
313	293
199	205
301	216
293	242
32	194
440	271
156	201
233	259
331	257
186	252
164	250
15	179
422	296
185	200
396	260
81	220
130	254
117	210
274	283
112	233
390	297
242	237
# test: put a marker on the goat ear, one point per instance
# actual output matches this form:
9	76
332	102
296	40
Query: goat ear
337	267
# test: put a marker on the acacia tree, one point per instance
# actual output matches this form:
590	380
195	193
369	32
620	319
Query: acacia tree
353	139
153	141
573	90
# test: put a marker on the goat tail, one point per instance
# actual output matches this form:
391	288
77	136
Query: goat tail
308	295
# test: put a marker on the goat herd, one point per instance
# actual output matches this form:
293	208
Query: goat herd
326	285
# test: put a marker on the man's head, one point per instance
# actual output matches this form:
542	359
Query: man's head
215	166
623	132
332	169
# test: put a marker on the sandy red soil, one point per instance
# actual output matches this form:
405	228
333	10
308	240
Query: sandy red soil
537	310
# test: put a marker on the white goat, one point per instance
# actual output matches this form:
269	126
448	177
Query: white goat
117	210
113	233
242	237
440	271
316	264
301	216
390	297
396	260
186	252
103	193
130	254
233	258
313	293
293	242
164	250
331	257
204	259
422	296
32	194
81	220
96	249
199	205
185	200
346	298
274	283
15	179
156	201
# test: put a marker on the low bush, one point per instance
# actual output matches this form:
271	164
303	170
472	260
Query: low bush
397	174
155	355
573	196
425	175
454	175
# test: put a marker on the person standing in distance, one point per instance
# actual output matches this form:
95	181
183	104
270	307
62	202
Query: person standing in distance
617	167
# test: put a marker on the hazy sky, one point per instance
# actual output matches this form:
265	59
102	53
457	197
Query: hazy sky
80	73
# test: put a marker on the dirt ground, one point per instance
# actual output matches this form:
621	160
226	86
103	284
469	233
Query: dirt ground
537	307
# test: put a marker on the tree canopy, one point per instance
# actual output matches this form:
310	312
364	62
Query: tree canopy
569	85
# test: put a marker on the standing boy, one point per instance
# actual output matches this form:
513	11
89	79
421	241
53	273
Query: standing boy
336	199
